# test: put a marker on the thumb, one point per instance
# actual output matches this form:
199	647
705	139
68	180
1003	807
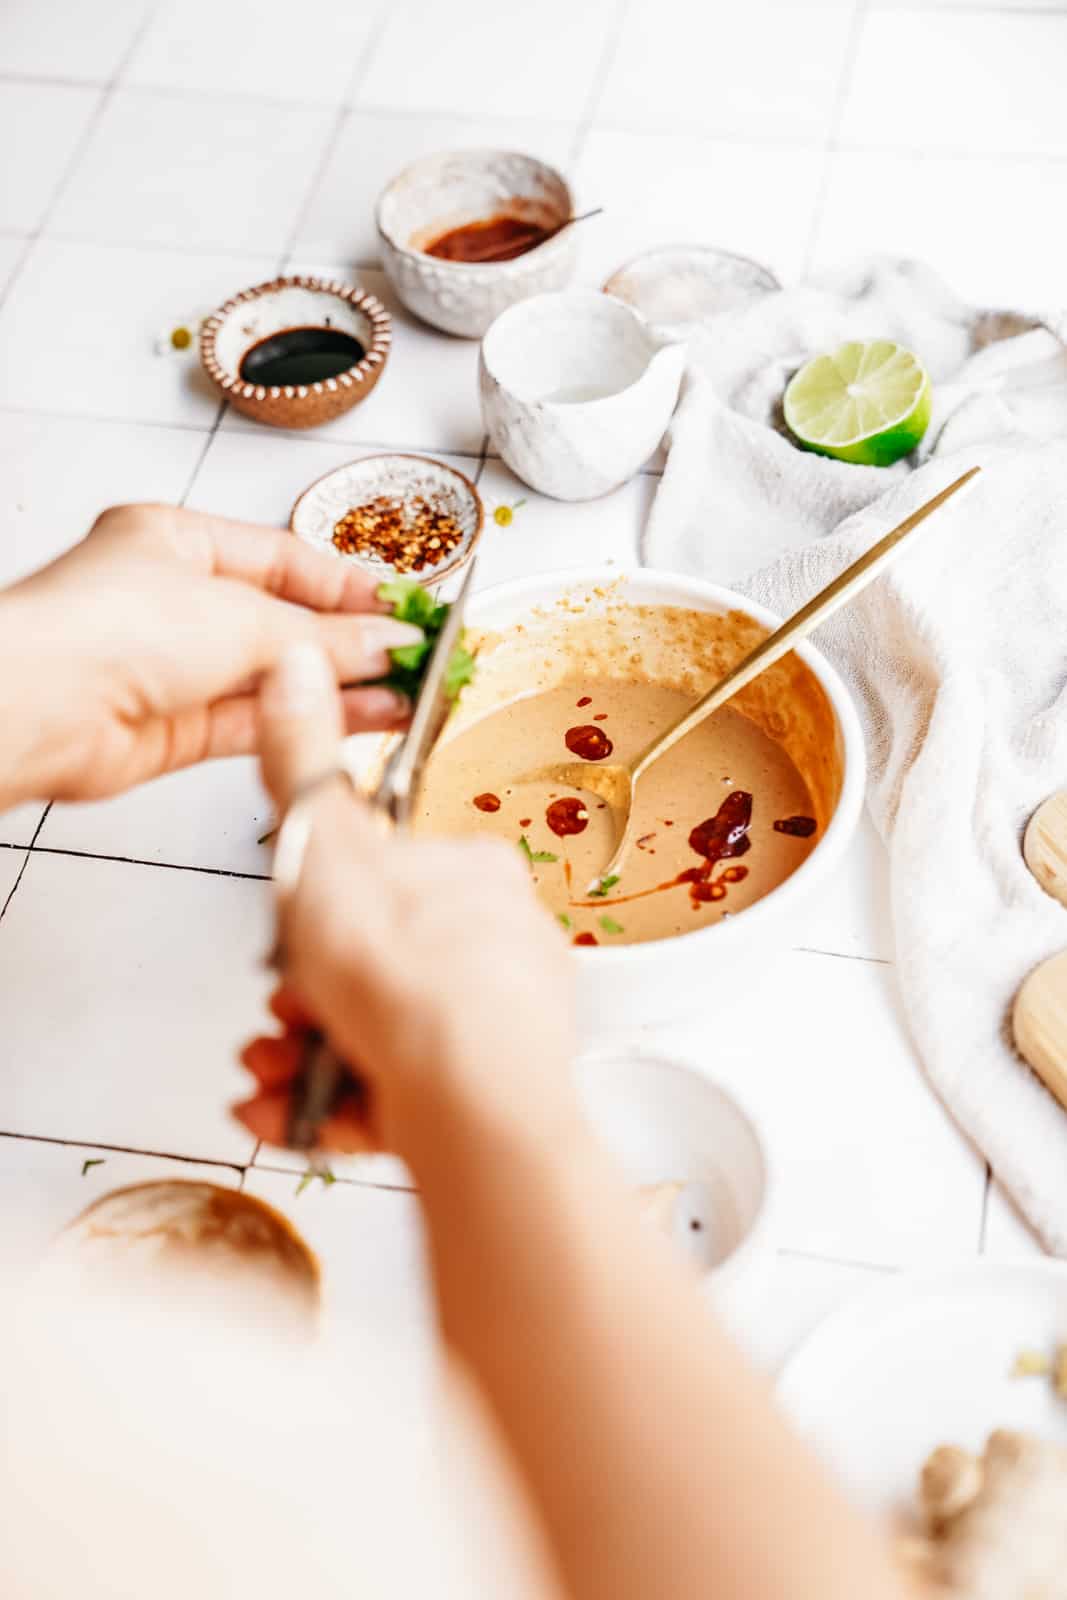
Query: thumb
301	721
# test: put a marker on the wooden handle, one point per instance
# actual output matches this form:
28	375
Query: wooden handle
823	605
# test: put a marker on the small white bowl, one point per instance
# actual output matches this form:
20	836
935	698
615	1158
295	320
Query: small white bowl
677	288
446	191
399	477
666	1124
576	391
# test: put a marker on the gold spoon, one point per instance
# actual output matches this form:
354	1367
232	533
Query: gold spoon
616	782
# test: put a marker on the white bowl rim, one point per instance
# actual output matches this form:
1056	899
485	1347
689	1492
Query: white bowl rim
599	303
758	1234
434	159
846	813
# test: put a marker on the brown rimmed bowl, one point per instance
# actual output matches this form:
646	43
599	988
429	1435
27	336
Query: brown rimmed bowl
276	307
405	478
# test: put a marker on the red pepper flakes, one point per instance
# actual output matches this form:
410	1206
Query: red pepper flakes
410	535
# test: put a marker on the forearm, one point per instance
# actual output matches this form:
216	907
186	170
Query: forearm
654	1457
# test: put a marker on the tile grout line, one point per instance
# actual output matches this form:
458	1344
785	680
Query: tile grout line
120	1149
137	861
25	861
832	142
333	138
983	1224
612	38
107	90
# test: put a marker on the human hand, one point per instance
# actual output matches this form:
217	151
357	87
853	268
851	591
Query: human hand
141	650
429	964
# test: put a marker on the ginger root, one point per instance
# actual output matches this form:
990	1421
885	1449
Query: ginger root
998	1523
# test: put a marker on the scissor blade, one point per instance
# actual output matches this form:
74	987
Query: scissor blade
432	707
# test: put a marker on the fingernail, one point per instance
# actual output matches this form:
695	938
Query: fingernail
385	633
383	705
301	681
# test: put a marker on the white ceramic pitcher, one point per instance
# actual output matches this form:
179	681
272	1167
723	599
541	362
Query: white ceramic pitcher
577	391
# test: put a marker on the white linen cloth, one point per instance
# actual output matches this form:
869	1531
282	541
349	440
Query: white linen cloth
957	658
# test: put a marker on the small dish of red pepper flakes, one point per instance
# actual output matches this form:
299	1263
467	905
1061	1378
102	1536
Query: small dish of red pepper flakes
393	515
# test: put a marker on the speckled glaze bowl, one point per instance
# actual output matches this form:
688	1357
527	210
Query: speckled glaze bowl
299	302
442	192
405	478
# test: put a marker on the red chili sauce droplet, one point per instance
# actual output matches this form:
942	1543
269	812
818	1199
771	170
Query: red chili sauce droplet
567	816
588	743
586	700
487	802
725	834
601	716
584	938
800	827
524	822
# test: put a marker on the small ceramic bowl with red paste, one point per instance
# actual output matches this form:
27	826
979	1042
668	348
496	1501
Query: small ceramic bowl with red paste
467	233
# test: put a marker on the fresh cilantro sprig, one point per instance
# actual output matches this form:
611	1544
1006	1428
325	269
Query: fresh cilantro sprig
324	1175
609	925
603	885
412	603
534	855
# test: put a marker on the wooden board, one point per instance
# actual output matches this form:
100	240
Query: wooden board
1039	1021
1045	845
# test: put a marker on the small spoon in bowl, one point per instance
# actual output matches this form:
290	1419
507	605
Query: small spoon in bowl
616	783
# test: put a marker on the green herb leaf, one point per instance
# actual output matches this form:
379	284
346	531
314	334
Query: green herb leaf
410	601
562	917
459	672
410	657
534	855
604	885
93	1161
324	1175
609	925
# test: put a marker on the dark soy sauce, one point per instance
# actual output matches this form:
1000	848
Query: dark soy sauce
300	356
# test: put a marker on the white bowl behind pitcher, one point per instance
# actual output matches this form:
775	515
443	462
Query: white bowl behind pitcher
622	987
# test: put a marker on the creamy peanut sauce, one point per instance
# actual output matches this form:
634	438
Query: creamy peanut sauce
680	875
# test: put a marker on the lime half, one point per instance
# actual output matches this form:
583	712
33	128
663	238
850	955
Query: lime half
868	402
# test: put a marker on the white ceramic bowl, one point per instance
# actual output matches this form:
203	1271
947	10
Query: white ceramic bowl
667	1123
445	191
576	391
628	986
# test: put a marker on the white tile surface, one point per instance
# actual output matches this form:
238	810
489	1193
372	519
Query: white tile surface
10	866
244	475
768	69
869	1166
427	398
211	817
660	189
1007	1235
802	1292
78	331
992	228
245	47
41	126
373	146
136	988
203	173
42	1188
58	473
480	55
959	80
370	1244
12	248
19	825
547	535
55	40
